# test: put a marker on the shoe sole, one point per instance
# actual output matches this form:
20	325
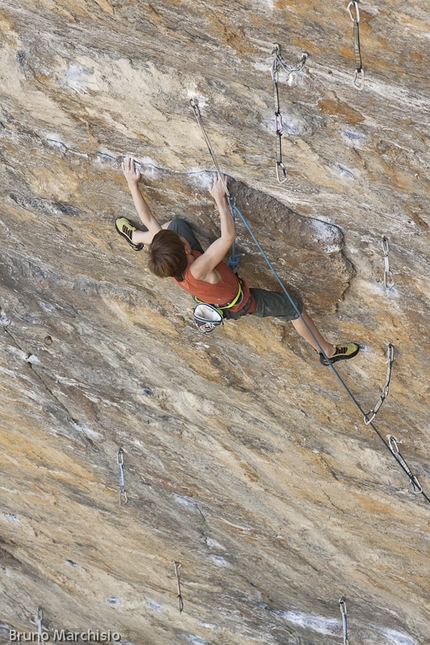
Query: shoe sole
135	247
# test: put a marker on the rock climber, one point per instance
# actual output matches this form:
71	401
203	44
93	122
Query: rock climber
175	252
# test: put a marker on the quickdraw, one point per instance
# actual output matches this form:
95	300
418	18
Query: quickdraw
388	275
393	445
280	63
358	81
39	619
123	499
177	566
374	411
342	607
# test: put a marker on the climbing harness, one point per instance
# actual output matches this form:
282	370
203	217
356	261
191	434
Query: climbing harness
358	81
234	257
388	275
232	303
342	607
280	63
401	462
122	492
177	566
39	619
415	484
374	411
208	316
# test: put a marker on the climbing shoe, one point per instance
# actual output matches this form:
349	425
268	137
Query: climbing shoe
341	353
125	229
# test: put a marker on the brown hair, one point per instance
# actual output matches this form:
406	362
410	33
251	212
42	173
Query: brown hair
167	255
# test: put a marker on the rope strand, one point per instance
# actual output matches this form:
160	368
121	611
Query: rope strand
235	210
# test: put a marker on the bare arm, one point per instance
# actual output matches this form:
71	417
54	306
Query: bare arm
133	175
202	266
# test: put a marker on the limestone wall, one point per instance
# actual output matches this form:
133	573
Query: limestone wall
245	460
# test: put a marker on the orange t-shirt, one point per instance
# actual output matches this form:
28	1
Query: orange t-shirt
217	294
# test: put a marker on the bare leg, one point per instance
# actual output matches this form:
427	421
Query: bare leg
301	328
145	237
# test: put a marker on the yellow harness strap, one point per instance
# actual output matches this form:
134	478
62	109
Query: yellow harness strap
229	304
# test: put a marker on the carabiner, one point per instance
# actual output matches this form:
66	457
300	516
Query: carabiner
358	80
279	125
177	566
368	421
195	105
385	245
279	164
342	607
392	442
415	485
357	12
388	279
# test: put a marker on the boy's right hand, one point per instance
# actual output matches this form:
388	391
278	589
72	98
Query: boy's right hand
131	173
217	187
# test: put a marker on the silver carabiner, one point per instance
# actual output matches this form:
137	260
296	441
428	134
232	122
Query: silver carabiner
392	442
357	11
368	421
123	499
195	105
385	246
276	49
388	279
281	165
39	620
415	485
342	607
279	124
358	80
177	566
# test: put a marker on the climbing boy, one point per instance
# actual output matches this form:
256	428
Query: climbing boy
175	252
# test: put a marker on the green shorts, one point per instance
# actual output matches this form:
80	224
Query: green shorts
182	228
269	303
278	305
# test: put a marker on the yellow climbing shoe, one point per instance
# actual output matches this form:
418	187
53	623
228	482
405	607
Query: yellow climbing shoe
341	353
125	229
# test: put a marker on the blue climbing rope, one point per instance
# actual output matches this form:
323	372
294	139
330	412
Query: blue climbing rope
234	258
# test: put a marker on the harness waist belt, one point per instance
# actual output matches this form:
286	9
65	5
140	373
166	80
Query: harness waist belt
236	300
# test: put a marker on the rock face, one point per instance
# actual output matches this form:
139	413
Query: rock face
244	459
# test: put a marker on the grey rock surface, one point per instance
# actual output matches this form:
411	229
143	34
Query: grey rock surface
244	459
